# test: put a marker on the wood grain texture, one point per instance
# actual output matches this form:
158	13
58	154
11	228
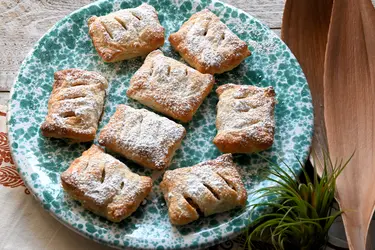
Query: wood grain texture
4	98
22	23
349	84
269	12
305	30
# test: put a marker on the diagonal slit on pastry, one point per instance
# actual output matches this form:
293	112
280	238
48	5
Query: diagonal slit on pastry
104	185
245	118
142	136
169	86
208	45
126	33
207	188
75	105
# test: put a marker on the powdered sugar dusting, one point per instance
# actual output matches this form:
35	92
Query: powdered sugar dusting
104	182
271	64
208	185
141	135
176	88
76	102
127	33
209	40
246	108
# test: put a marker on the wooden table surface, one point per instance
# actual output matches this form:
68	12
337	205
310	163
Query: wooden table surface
23	22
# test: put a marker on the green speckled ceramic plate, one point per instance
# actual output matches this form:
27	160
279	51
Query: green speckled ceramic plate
41	160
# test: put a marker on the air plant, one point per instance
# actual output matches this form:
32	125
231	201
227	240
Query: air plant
301	207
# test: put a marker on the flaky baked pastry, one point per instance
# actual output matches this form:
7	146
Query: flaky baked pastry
208	45
207	188
104	185
169	86
75	105
126	33
245	118
142	136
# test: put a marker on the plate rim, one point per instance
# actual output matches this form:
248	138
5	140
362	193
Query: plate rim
226	235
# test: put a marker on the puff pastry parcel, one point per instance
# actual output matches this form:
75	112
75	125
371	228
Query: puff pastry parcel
207	188
245	118
142	136
126	33
105	185
208	45
75	105
170	87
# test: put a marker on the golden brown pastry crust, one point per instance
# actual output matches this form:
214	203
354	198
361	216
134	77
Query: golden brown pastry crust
75	105
126	33
208	45
142	136
105	185
170	87
245	118
207	188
